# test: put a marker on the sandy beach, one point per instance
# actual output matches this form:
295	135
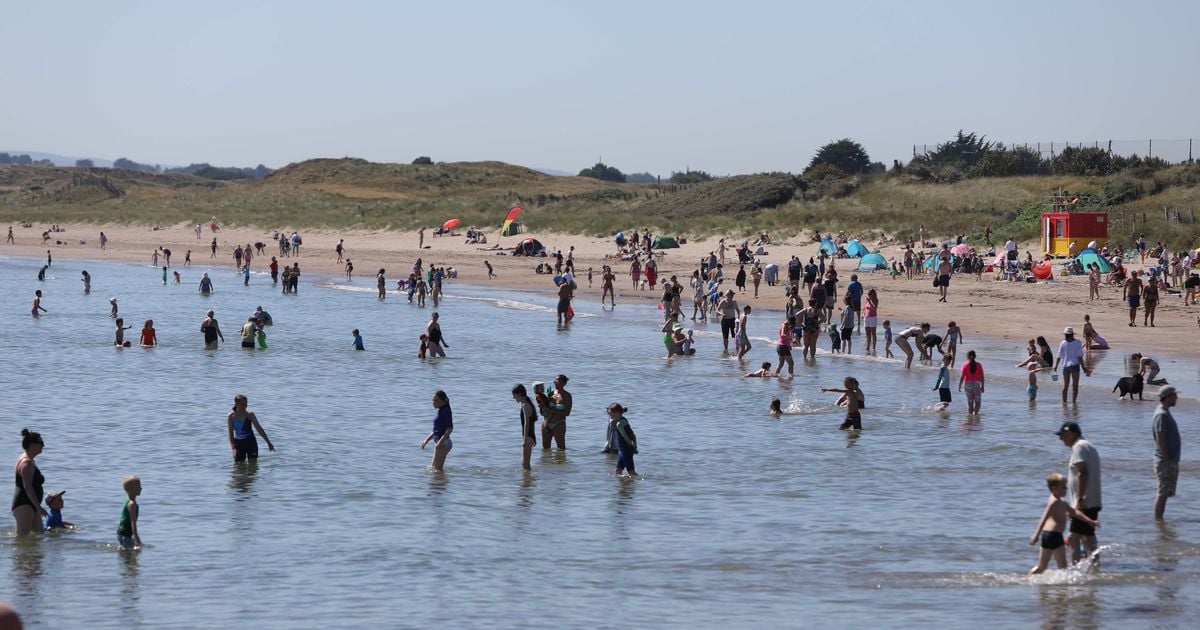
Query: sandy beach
998	309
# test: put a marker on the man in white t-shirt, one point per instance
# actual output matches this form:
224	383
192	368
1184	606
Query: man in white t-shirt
1070	356
1083	479
1011	248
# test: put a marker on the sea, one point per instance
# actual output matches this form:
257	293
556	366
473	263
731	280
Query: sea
737	519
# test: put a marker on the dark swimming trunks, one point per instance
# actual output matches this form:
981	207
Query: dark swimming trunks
1083	529
853	421
1052	540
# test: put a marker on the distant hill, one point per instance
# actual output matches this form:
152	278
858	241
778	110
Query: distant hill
553	171
59	160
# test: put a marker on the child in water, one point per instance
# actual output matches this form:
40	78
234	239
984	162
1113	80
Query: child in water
887	338
943	382
164	276
776	408
177	278
54	519
762	372
113	303
1032	389
424	345
1054	520
149	335
127	529
854	397
119	337
358	342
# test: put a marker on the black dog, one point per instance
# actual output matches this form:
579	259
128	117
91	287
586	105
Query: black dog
1130	385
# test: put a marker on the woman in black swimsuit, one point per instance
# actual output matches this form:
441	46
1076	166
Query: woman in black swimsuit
27	507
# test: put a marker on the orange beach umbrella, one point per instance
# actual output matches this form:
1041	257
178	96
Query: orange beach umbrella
450	225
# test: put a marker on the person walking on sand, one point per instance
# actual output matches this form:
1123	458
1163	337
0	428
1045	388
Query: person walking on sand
1132	294
528	422
241	424
212	331
492	273
27	507
1070	357
944	270
607	278
1084	481
421	238
10	240
435	339
443	426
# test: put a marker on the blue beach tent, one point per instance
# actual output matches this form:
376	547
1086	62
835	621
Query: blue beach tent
855	249
872	262
1089	256
828	247
932	261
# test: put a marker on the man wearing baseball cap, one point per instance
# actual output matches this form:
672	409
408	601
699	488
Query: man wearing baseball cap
1166	449
1083	479
1070	356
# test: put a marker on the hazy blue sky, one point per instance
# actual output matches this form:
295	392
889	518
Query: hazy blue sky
727	87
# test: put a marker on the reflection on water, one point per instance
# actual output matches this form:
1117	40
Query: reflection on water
739	517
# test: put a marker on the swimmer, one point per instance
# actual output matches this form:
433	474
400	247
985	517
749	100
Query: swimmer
149	335
37	304
762	372
775	410
854	396
240	424
119	337
127	529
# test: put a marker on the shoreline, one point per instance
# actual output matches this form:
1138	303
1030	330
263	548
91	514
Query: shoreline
1001	310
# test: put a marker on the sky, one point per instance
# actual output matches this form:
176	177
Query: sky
657	86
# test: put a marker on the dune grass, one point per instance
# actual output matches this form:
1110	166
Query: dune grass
354	194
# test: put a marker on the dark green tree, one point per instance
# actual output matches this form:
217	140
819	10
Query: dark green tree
1088	161
603	172
84	164
960	154
847	155
424	159
690	177
1003	162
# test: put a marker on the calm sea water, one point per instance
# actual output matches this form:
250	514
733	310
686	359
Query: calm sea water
739	520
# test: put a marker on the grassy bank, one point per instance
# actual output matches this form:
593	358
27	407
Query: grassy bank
355	194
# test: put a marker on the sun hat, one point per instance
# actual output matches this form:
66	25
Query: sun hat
1068	331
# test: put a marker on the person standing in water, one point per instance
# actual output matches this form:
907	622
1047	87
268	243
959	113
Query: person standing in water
27	507
558	407
241	423
971	375
37	304
381	283
212	331
528	421
626	440
743	336
434	337
854	397
87	282
443	426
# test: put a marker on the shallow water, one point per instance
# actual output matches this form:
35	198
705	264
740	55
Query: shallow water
920	520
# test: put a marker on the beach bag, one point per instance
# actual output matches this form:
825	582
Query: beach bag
937	282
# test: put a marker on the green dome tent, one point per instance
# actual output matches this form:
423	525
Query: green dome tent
665	242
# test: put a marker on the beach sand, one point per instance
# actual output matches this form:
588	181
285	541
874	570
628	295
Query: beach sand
996	309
